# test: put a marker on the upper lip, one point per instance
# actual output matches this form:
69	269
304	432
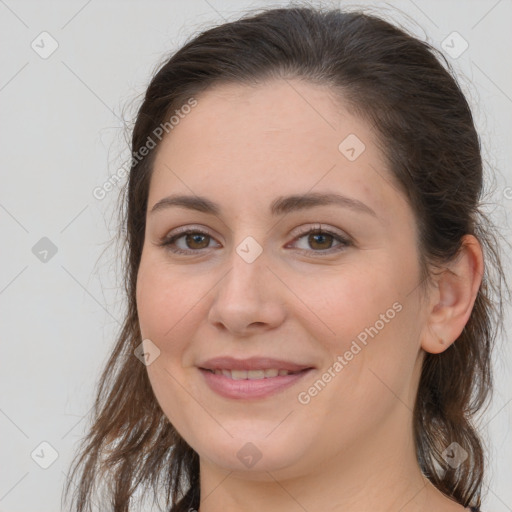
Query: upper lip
251	363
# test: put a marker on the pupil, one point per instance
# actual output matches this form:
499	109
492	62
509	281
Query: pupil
196	238
322	238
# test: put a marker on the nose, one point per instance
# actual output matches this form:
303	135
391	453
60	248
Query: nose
248	299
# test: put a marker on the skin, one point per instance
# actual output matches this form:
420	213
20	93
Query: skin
351	447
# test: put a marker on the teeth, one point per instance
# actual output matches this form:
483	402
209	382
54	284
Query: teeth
252	374
238	374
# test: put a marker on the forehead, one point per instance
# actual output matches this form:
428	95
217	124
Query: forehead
271	114
259	141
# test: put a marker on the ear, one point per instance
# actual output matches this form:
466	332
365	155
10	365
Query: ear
452	297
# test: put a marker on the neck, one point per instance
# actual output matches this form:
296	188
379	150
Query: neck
371	475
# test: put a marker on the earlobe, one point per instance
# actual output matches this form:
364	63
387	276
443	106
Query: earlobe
451	304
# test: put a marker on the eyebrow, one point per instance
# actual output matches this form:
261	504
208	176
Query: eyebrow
279	206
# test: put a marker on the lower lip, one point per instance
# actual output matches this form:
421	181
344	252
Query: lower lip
246	388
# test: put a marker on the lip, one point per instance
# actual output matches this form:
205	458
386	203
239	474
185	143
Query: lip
251	389
251	363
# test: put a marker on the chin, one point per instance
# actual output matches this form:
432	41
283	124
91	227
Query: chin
253	455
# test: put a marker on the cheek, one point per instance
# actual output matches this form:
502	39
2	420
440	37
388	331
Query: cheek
351	299
165	303
373	324
166	316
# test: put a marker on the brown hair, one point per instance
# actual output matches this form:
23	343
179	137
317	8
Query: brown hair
426	131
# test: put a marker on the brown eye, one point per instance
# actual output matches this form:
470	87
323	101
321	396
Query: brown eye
187	242
320	240
197	240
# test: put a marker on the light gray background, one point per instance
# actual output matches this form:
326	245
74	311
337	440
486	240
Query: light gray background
63	125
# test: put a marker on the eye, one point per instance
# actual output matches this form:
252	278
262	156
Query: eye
321	240
193	241
189	241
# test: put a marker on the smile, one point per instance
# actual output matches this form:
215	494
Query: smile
252	374
251	384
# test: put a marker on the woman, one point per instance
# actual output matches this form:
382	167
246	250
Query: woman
310	320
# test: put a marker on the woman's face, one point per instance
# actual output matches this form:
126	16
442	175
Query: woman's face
342	304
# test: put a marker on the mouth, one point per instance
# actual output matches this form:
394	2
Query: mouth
253	374
252	364
250	379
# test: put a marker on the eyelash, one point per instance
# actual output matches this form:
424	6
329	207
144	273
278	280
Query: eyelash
168	241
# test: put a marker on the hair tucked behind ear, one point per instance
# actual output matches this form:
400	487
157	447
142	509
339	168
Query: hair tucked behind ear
425	130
